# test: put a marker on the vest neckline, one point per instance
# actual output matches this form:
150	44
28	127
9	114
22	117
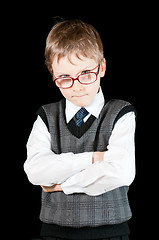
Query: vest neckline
80	131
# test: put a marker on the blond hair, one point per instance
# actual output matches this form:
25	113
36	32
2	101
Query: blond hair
73	36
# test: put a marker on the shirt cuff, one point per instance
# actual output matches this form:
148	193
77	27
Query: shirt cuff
70	186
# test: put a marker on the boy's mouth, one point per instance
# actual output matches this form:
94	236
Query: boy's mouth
78	96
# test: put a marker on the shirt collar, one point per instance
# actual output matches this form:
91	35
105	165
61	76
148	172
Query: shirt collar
94	108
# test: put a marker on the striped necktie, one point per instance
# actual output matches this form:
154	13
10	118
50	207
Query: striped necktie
79	116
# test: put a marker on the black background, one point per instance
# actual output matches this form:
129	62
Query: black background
28	85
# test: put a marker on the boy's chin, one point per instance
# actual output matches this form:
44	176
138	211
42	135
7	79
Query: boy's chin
81	103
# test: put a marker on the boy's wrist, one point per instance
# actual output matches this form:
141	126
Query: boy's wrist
97	157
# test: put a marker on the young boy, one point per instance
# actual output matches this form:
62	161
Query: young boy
81	149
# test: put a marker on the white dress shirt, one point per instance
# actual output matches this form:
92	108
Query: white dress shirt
75	172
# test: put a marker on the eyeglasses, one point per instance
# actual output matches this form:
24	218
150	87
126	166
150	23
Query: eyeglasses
84	78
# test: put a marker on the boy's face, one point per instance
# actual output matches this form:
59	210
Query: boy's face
79	94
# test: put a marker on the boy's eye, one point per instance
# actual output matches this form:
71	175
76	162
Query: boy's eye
64	76
86	71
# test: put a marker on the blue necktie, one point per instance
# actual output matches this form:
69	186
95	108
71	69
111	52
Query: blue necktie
79	116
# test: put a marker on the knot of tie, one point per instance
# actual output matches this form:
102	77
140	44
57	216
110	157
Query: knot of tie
79	116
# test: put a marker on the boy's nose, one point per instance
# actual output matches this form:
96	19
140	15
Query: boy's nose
77	86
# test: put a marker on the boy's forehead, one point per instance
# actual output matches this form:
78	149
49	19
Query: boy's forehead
72	62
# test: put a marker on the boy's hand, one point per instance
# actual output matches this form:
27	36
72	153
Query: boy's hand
98	157
54	188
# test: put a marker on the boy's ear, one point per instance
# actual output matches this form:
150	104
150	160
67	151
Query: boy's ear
103	68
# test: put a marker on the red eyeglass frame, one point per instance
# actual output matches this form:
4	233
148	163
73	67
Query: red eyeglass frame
74	79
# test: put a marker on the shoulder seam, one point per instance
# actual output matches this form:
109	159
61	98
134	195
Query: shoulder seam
123	111
42	114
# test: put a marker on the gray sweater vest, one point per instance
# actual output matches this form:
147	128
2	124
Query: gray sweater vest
79	209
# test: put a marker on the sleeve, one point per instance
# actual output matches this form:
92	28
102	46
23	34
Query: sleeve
118	167
43	166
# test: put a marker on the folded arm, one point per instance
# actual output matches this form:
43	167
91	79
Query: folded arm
73	173
97	157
